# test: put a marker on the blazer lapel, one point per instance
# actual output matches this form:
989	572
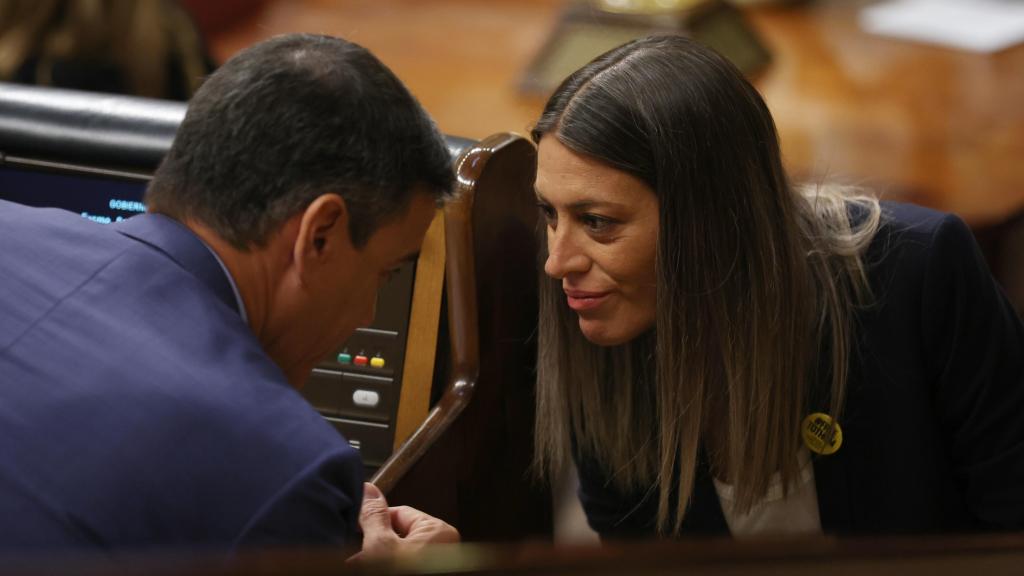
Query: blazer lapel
844	480
831	476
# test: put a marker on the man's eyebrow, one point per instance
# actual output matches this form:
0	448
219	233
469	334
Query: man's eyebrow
410	257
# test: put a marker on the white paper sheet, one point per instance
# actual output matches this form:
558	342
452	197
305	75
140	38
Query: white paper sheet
974	25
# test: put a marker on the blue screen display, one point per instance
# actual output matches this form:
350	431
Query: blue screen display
101	198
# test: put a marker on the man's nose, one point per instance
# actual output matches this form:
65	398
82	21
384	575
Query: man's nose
370	314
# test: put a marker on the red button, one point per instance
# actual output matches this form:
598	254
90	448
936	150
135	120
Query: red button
361	360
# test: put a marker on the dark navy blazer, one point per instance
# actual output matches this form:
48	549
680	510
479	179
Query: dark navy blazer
138	410
933	430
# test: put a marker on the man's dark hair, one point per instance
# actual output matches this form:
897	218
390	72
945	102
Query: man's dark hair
288	120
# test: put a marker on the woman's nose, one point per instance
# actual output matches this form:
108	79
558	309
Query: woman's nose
564	256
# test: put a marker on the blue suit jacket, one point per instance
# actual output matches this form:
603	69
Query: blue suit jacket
933	432
138	410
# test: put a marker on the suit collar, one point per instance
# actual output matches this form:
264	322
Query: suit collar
182	246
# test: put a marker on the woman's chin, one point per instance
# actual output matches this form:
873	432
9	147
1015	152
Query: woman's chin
601	334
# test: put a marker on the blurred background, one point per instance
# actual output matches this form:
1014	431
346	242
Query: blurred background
926	106
939	125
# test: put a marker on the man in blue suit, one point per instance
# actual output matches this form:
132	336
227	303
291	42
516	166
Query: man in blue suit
148	369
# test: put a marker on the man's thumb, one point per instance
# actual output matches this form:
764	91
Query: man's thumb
374	516
370	491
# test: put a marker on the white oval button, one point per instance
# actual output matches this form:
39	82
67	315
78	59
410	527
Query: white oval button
366	398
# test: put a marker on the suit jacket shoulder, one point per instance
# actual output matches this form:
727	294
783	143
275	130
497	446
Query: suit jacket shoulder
930	440
139	410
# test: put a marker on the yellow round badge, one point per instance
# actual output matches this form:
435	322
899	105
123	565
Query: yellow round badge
821	434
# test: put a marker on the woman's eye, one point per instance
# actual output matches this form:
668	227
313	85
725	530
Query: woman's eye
595	223
548	213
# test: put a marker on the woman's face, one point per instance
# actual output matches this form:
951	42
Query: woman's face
602	230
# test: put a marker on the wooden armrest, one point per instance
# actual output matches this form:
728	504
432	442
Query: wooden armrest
460	276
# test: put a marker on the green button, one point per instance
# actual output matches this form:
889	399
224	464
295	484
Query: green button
344	358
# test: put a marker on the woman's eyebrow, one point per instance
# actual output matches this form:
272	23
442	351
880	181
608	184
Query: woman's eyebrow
583	205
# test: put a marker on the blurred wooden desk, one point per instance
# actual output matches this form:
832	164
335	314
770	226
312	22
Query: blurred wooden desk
932	125
928	124
989	554
461	58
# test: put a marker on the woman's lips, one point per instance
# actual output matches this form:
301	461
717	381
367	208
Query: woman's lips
580	300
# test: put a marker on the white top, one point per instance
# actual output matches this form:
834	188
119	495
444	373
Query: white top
797	514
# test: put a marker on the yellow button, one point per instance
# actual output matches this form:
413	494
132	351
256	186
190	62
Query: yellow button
377	362
821	434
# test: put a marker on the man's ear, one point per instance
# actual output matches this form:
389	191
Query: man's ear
323	231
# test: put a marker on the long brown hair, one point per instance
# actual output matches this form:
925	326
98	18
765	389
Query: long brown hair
757	281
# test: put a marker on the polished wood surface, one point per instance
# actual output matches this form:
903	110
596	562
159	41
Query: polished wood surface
463	322
937	126
476	441
988	555
895	556
424	316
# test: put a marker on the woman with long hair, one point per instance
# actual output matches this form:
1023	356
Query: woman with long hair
723	351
